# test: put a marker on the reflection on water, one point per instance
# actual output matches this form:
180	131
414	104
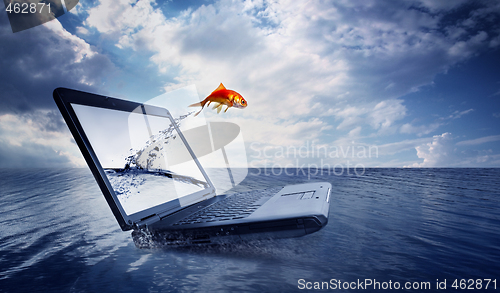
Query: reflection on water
59	235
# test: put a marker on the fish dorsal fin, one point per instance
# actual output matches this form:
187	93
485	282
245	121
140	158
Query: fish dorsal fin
221	87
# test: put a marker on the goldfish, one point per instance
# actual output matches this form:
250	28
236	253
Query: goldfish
222	97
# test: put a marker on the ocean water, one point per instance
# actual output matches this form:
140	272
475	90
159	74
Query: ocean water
387	226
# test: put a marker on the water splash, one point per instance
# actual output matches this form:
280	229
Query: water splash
146	157
142	166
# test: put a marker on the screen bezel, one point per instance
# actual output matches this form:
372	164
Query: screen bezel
66	97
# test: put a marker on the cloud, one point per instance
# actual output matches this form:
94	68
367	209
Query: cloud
355	132
386	113
457	114
37	139
400	146
441	5
297	132
419	130
123	17
480	140
442	152
465	49
380	116
496	94
437	153
36	61
82	31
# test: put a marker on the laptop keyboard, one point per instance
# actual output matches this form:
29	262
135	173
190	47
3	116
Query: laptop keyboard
233	207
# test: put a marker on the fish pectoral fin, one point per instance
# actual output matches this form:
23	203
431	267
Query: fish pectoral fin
198	112
226	109
219	108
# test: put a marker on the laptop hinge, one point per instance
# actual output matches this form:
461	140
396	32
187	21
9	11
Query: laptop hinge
164	214
144	222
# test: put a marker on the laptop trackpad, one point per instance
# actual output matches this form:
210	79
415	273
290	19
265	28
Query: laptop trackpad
293	201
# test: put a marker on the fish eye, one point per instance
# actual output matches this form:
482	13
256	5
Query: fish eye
243	102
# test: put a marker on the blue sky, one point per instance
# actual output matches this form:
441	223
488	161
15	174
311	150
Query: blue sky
418	81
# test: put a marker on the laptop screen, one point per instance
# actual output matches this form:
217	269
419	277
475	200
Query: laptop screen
145	160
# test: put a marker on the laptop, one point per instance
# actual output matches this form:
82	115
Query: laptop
155	185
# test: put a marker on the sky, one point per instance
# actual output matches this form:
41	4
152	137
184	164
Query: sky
411	83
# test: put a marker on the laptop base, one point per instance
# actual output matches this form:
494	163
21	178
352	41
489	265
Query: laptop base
286	228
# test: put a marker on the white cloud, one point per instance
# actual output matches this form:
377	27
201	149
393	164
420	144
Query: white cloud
443	152
272	133
36	140
440	5
400	146
496	94
465	49
386	113
480	140
82	31
380	116
120	16
41	59
419	130
38	60
437	153
81	48
457	114
355	132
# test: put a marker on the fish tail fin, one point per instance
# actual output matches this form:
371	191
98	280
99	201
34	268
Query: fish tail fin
200	104
196	105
